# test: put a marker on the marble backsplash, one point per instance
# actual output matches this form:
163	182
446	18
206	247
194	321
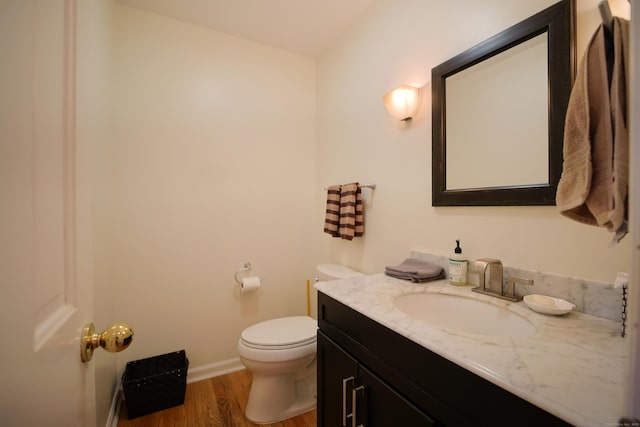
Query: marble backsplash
590	297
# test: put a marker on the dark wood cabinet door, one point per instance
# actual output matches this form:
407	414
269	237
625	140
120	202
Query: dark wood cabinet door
342	382
378	405
337	372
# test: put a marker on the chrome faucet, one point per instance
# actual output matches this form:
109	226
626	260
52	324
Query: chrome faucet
489	272
491	282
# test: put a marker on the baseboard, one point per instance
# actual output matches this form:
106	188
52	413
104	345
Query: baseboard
193	375
214	370
114	413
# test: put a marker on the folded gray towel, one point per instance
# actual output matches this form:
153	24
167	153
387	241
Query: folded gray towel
415	270
414	278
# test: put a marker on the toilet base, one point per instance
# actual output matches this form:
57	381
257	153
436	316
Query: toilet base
293	397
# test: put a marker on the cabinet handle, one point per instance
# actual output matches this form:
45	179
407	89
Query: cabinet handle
354	406
345	382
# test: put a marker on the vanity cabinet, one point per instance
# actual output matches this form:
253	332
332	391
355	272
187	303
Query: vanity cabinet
393	381
355	396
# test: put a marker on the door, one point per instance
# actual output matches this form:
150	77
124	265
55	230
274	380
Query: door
45	227
337	371
346	387
380	405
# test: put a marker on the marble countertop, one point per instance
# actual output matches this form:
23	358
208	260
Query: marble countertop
572	367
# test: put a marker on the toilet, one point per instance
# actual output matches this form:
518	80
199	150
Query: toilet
281	355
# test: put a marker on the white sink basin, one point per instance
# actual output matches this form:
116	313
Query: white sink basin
462	314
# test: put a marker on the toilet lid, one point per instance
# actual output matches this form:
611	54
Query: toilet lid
284	331
336	271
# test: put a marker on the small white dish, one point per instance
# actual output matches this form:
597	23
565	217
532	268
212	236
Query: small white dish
548	305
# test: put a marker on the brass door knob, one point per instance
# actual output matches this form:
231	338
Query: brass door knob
115	338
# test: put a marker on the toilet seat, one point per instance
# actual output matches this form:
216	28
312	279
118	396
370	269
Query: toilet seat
280	334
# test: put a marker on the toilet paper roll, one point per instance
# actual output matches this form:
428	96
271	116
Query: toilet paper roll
250	284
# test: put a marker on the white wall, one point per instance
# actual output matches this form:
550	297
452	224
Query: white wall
398	42
221	149
213	166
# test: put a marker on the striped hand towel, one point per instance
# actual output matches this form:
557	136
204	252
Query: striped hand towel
332	215
347	223
359	231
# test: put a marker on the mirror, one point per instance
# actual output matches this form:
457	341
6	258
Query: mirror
498	114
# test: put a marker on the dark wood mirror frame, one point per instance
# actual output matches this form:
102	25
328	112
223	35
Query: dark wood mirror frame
558	21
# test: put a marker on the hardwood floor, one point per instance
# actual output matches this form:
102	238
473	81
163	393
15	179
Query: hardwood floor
216	402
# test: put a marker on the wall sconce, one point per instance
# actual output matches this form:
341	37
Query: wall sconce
402	102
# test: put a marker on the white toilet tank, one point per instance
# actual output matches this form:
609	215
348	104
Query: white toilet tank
326	272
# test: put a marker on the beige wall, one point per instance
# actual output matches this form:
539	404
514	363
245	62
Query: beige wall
213	165
220	149
632	395
398	42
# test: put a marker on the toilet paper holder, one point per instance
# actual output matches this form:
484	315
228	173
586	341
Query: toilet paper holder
246	267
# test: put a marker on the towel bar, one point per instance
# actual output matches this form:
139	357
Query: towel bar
371	185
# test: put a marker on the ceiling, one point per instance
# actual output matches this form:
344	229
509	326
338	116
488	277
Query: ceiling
307	27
